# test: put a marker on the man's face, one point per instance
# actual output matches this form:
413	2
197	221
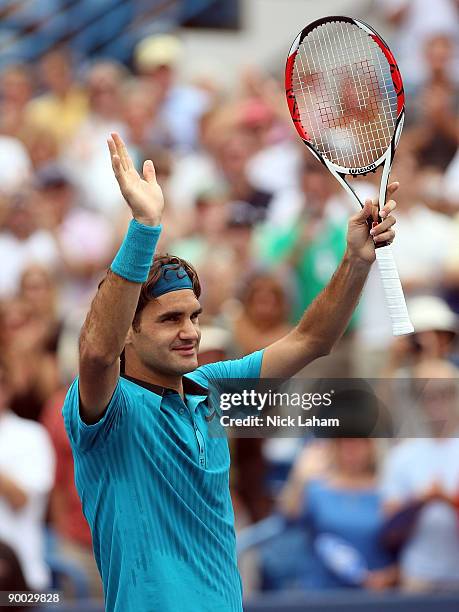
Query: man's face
168	338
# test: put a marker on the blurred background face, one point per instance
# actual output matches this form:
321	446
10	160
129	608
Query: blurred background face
42	146
138	109
103	86
317	185
211	215
439	394
265	301
438	98
37	289
355	455
212	126
20	218
56	72
439	401
55	200
255	120
16	85
439	53
161	76
15	315
435	344
233	154
239	237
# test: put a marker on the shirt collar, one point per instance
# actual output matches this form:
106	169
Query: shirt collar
190	387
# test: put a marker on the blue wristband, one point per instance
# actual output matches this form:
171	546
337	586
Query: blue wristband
134	258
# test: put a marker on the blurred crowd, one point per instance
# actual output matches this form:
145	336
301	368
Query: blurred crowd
265	226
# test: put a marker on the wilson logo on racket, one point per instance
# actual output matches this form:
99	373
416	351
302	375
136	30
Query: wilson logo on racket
362	170
345	95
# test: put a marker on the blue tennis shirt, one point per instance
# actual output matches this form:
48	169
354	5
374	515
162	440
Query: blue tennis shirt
154	487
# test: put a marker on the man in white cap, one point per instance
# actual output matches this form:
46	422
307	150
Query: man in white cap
436	326
156	59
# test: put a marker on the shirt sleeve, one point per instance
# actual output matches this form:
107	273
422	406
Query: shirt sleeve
86	437
246	367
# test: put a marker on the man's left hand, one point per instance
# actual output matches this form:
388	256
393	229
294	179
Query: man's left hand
360	241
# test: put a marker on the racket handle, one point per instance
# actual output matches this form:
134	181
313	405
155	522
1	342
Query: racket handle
393	291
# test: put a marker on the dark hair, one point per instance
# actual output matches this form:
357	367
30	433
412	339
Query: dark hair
145	293
159	261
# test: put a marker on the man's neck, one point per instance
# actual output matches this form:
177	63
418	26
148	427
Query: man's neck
141	372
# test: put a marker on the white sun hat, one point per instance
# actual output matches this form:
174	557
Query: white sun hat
431	313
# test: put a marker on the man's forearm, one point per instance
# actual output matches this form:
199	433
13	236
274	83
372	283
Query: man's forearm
112	311
104	332
326	319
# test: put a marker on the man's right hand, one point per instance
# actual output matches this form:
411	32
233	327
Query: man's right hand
143	195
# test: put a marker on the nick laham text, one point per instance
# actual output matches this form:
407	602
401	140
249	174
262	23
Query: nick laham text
277	421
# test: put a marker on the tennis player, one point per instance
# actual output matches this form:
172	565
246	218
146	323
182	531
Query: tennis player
153	483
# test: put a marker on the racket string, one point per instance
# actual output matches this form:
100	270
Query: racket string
345	94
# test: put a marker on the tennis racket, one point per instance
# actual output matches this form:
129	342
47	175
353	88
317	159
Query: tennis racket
345	95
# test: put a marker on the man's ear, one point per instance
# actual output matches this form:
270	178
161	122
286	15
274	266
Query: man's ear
129	336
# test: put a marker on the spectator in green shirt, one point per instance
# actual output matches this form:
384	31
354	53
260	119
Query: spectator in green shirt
314	243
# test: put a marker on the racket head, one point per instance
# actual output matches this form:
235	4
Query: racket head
345	94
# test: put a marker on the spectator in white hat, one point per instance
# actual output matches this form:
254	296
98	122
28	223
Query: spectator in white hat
436	329
156	59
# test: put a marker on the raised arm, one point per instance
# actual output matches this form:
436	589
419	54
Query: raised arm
104	332
326	319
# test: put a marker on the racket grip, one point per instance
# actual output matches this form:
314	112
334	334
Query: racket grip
393	291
